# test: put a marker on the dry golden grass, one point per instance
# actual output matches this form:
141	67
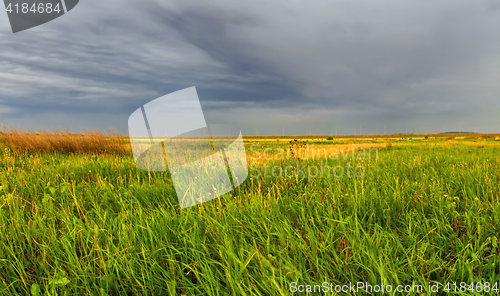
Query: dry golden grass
318	152
90	142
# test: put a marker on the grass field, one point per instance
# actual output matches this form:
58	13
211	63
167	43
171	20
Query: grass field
87	221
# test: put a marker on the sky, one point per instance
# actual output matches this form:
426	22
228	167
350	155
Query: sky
267	67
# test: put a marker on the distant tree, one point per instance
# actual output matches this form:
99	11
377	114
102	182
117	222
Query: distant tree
329	138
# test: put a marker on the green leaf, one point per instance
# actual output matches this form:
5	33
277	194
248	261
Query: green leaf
46	198
59	282
35	290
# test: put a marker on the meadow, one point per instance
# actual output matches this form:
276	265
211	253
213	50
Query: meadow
83	220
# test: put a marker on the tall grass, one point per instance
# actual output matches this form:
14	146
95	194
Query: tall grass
81	224
90	142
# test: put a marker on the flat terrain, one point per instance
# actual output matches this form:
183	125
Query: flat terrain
416	212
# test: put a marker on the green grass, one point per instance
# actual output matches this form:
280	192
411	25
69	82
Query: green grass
85	224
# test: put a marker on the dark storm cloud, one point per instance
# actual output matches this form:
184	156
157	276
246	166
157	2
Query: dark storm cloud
388	56
275	62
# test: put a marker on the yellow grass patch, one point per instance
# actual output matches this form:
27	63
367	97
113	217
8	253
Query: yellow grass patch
94	142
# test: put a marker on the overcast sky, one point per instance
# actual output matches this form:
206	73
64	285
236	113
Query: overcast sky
331	66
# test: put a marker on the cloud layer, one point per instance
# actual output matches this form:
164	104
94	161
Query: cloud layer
357	66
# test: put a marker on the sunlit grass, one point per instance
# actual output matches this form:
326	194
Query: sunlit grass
90	223
63	142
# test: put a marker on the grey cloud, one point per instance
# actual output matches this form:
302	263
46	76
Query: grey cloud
359	62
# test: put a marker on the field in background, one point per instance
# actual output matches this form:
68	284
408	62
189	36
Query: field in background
90	142
81	219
